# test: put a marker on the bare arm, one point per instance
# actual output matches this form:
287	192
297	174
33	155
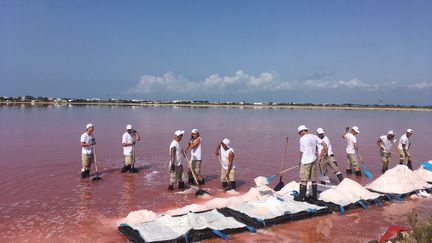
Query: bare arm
324	151
84	144
217	150
379	144
230	162
137	136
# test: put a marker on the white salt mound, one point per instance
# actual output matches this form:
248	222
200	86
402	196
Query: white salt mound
424	174
260	180
399	180
140	216
347	192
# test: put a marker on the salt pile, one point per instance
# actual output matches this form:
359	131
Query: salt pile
140	216
424	173
347	192
398	180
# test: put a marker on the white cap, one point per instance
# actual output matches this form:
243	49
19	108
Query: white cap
409	130
129	127
89	125
320	131
194	130
390	132
356	129
179	132
226	141
301	128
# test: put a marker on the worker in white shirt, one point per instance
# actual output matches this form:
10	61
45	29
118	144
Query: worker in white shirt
129	138
404	146
195	163
176	166
87	142
228	167
385	144
352	147
328	159
308	158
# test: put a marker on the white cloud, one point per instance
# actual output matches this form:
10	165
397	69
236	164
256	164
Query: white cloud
242	82
168	81
421	85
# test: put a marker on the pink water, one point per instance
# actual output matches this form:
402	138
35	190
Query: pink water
42	198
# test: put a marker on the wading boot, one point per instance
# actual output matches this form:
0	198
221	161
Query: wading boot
340	177
224	185
314	192
87	173
181	185
201	182
170	187
302	195
191	180
358	173
233	185
125	169
349	171
83	174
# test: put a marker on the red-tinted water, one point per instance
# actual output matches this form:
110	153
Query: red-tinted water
44	200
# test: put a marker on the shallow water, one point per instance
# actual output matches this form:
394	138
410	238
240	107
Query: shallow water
44	200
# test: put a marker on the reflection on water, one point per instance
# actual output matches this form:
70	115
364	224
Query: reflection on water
43	198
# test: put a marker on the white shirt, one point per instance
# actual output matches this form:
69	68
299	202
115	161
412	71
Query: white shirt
351	140
127	138
404	140
224	157
86	139
175	144
196	152
326	140
387	144
308	145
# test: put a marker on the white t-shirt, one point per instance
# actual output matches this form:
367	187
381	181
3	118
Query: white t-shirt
308	145
326	140
196	152
224	157
175	144
404	140
351	140
128	138
86	139
387	144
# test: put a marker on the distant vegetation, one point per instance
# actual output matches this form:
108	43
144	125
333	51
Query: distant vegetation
52	100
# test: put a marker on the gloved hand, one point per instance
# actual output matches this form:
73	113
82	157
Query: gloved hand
93	141
134	131
347	129
133	142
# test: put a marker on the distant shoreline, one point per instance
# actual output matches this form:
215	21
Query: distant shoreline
249	106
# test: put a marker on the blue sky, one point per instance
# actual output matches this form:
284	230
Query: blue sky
286	51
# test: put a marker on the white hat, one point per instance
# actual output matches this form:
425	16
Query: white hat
301	128
226	141
320	131
390	132
129	127
409	130
179	132
356	129
89	125
194	130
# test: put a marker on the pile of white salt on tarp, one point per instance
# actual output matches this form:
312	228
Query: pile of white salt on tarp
140	216
398	180
347	192
424	173
255	193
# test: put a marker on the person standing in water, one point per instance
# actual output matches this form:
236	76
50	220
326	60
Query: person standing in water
87	142
404	146
129	138
195	163
385	144
176	166
352	147
328	159
228	167
308	158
